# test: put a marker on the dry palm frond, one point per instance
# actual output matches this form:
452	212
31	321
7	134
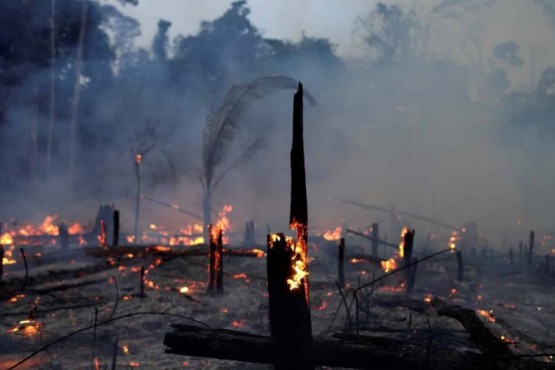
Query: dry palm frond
220	127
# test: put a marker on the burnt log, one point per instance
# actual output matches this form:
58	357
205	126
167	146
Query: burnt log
408	240
220	265
349	351
63	236
497	354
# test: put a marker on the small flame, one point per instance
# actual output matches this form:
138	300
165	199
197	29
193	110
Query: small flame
428	299
333	235
184	290
357	260
389	265
138	159
240	276
487	314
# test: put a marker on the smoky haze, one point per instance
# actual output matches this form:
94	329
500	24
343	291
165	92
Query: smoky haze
439	113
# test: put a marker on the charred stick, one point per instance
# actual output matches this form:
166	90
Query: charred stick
375	238
115	355
460	266
142	293
341	264
289	311
115	236
372	239
212	251
531	251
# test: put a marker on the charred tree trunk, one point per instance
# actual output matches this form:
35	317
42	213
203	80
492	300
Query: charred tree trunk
220	264
215	273
138	161
1	255
298	216
341	264
531	252
142	293
63	237
460	266
207	215
115	236
412	276
407	257
290	323
375	238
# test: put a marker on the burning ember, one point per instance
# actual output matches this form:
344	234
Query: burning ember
184	290
333	235
487	314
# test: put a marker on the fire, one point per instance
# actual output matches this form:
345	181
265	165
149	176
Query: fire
240	276
6	239
138	158
184	290
299	263
487	314
125	349
259	253
453	292
453	239
333	235
428	298
402	242
134	364
389	265
26	327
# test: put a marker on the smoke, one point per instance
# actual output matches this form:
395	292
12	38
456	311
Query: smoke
423	129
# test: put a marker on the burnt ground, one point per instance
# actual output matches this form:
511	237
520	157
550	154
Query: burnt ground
520	306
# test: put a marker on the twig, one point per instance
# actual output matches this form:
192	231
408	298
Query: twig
115	355
94	338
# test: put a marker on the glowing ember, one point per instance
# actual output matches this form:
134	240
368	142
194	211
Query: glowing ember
333	235
299	264
238	323
259	253
184	290
453	292
357	260
138	158
487	314
134	364
125	349
322	306
240	276
428	299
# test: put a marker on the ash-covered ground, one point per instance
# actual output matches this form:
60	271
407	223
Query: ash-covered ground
518	306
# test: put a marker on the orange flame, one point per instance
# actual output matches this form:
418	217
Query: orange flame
333	235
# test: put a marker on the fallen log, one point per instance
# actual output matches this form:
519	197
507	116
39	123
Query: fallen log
361	352
497	354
